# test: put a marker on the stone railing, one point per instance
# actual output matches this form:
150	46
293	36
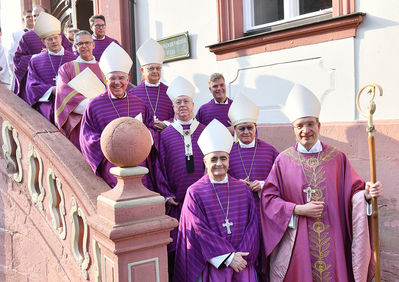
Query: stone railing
57	222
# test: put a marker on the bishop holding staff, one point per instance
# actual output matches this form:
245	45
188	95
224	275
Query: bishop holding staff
218	237
314	206
43	67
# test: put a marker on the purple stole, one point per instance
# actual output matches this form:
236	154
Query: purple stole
101	45
29	45
100	112
41	77
209	111
202	236
321	249
172	176
67	99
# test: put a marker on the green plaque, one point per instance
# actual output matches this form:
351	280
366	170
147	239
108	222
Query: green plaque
176	47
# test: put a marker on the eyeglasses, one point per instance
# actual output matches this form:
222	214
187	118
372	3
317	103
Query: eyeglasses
242	128
151	69
310	125
182	102
100	25
87	43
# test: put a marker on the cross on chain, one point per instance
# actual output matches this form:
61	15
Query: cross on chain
55	78
227	225
309	191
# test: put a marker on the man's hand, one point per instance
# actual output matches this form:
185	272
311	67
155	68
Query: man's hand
373	190
238	263
159	125
312	209
171	201
43	50
53	89
255	186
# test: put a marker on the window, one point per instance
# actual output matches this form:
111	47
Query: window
262	13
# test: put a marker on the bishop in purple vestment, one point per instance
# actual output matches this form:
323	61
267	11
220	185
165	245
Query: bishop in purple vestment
69	104
101	41
218	237
43	68
29	45
313	206
219	106
103	109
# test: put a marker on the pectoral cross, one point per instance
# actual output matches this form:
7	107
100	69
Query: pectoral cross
55	78
227	225
155	117
309	191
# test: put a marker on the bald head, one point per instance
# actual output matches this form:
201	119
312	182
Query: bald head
36	12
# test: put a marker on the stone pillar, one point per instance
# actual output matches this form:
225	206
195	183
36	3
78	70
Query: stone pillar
131	230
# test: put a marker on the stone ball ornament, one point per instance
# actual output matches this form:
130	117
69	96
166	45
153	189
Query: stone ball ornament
126	142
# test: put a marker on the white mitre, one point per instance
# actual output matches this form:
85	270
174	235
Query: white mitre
115	58
301	102
243	110
180	86
150	52
215	137
46	25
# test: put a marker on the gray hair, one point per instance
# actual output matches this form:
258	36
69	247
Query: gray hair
80	33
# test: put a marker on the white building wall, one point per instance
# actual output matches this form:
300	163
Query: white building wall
334	70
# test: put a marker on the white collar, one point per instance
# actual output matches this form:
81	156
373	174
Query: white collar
150	84
95	38
250	145
185	122
114	97
223	103
60	53
225	180
80	60
315	148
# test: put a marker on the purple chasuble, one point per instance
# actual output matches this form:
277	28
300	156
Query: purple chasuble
29	45
100	112
41	76
101	45
209	111
202	235
322	247
67	99
164	107
172	176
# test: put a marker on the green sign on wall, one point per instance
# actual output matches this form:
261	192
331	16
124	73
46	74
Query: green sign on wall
176	47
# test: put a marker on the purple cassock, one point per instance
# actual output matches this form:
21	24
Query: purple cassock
202	235
316	249
29	45
101	45
67	99
172	176
42	75
211	110
98	114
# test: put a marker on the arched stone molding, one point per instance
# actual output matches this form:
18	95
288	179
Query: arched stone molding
97	261
56	203
12	150
79	237
35	168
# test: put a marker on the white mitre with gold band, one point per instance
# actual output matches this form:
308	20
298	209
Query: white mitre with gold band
115	58
301	102
180	86
46	25
150	52
214	138
243	110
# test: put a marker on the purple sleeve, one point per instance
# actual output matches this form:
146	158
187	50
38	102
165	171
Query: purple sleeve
35	86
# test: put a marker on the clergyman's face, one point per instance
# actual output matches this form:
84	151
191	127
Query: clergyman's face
152	72
84	45
307	131
53	43
28	20
183	107
217	164
246	132
36	12
117	83
218	90
98	28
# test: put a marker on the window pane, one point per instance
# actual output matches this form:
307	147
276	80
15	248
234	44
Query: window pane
266	11
309	6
